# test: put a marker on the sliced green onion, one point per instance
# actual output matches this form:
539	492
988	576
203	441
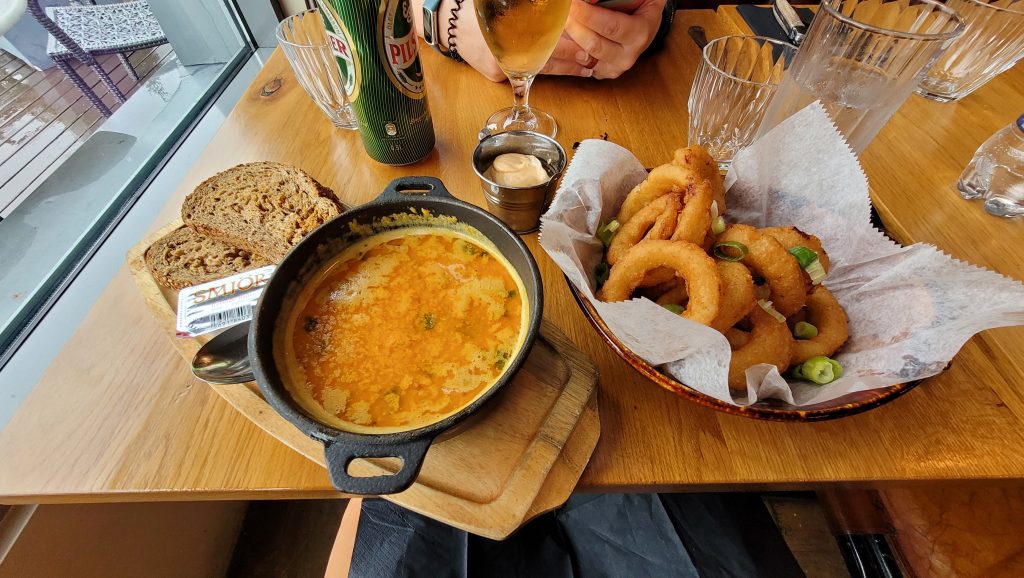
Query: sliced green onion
770	310
809	262
816	272
607	232
730	251
819	369
804	256
601	273
714	210
804	330
718	225
677	309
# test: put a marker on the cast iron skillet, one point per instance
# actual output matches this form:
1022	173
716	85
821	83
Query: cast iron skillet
340	447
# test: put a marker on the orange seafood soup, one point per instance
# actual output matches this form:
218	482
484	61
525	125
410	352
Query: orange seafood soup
402	330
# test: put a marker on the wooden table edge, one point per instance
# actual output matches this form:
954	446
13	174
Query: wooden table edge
289	494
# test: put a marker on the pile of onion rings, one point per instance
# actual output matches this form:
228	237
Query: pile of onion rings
760	287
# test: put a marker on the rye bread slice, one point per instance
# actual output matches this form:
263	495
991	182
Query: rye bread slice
183	258
265	208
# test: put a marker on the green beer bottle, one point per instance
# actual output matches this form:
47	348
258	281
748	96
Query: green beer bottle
375	44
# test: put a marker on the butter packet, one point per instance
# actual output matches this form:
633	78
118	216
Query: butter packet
220	304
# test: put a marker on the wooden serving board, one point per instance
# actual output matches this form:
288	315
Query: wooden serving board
521	459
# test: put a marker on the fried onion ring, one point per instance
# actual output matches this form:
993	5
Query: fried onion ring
697	159
769	259
689	262
674	296
792	237
658	276
665	179
655	221
737	338
770	342
737	294
654	292
828	316
695	219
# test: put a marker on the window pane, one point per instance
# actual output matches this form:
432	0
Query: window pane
67	173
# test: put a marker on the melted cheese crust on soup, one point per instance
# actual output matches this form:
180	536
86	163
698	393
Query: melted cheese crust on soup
404	329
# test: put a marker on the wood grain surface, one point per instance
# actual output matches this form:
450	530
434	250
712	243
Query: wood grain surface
137	426
946	531
489	478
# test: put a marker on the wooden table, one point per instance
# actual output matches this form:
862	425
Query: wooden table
141	428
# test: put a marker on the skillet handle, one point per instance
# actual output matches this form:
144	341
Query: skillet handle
405	187
339	454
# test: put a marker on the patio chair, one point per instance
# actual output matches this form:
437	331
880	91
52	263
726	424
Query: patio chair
84	32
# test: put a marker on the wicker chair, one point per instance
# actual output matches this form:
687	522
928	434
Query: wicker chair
84	32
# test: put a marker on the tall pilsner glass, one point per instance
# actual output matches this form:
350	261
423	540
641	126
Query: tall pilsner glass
521	35
862	59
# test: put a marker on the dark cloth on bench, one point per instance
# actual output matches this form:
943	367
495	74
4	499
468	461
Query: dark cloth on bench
627	535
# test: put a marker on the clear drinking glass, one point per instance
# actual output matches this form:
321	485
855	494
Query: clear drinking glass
304	41
996	173
737	77
862	60
992	41
521	35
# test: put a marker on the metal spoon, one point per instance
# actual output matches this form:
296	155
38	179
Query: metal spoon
224	359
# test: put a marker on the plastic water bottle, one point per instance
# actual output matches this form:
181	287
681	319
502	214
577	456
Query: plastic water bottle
996	173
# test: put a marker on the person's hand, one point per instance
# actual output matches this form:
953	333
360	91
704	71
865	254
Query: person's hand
604	43
564	61
469	41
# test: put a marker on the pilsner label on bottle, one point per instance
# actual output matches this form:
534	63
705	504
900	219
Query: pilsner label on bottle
400	49
375	44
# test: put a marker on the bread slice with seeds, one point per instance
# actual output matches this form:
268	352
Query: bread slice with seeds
265	208
183	258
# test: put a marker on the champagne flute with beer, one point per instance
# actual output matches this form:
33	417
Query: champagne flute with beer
521	34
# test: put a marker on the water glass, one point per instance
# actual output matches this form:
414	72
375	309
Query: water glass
304	41
737	77
862	59
992	41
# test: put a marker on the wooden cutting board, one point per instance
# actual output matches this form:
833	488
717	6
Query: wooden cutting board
521	459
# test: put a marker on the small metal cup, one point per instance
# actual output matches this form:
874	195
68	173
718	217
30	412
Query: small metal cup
519	207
